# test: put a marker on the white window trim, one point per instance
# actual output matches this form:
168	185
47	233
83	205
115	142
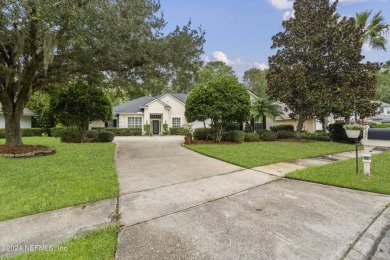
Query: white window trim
181	121
128	125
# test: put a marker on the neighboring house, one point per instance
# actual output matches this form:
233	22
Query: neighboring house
25	121
383	115
156	111
311	125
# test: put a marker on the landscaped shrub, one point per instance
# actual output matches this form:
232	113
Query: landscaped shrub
70	135
283	134
278	128
92	134
381	126
203	134
337	134
261	132
105	136
147	129
235	136
252	137
269	136
317	136
248	128
176	131
231	126
121	131
25	132
165	129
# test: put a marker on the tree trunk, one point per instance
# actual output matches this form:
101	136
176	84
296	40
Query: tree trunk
301	120
13	135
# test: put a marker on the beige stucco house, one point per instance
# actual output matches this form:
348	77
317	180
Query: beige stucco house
156	111
25	121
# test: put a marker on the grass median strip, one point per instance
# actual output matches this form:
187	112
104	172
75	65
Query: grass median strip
250	155
342	174
99	244
76	174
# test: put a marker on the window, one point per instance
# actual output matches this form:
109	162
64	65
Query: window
135	122
382	110
155	116
176	122
258	126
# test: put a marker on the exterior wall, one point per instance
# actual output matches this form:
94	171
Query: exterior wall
96	124
177	110
199	124
309	125
25	121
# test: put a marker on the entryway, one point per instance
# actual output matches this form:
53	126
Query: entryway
156	127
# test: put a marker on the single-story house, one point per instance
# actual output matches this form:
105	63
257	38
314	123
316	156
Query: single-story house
310	125
164	109
156	111
383	115
25	121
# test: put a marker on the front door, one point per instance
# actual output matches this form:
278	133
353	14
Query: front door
156	127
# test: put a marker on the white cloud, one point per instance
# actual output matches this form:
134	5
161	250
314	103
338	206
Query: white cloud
366	47
220	56
205	59
288	14
260	66
281	4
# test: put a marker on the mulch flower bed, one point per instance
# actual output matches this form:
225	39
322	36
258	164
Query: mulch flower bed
25	150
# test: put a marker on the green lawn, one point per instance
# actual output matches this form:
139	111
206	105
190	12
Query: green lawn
99	244
343	174
76	174
250	155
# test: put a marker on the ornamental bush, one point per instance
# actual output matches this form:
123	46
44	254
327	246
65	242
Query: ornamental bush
278	128
269	136
25	132
235	136
120	131
203	134
283	134
317	136
105	136
176	131
92	134
252	137
70	135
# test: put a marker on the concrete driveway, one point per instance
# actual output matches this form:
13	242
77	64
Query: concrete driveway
177	204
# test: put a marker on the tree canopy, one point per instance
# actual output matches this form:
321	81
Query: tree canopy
254	80
212	70
79	104
49	41
222	99
318	69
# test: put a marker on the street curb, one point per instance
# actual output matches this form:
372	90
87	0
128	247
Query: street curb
366	245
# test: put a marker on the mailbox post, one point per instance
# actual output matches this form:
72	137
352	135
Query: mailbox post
353	132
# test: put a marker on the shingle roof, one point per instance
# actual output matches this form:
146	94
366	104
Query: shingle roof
134	106
26	112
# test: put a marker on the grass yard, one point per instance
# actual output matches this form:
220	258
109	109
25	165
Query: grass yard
76	174
99	244
250	155
342	174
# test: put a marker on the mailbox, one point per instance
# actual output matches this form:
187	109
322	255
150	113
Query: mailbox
379	134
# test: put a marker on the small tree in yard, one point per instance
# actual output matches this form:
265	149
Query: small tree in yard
80	104
318	69
222	99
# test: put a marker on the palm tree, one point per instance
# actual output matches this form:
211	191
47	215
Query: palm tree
262	107
376	30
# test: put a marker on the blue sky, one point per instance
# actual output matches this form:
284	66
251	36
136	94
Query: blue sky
239	32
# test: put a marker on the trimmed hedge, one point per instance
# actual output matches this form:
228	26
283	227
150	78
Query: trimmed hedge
269	136
93	134
25	132
235	136
70	135
278	128
338	134
203	134
261	132
176	131
381	125
283	134
120	131
105	136
317	136
252	137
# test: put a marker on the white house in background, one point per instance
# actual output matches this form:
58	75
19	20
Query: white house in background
156	111
25	121
383	115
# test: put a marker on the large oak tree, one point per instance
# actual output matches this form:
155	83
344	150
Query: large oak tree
49	41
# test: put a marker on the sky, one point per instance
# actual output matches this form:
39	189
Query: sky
239	32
